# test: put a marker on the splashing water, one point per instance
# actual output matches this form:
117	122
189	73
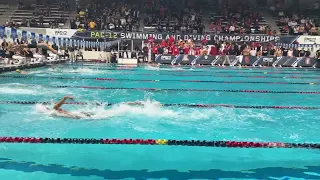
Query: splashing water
87	71
21	89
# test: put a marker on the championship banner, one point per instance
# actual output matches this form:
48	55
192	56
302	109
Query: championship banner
62	33
311	40
24	35
184	59
162	36
265	61
14	34
8	31
2	31
37	37
165	59
226	60
307	62
41	37
285	61
205	60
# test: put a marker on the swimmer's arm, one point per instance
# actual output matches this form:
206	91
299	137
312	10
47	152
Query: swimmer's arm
61	102
134	103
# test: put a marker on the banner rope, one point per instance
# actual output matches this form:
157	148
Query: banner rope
166	89
148	80
225	144
169	105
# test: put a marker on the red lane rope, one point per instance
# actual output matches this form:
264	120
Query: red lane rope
225	144
191	90
168	105
148	80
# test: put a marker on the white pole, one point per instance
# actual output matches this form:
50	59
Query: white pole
118	49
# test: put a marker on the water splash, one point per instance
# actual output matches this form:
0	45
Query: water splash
22	89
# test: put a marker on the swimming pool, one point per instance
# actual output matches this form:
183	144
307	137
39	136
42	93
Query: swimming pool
166	85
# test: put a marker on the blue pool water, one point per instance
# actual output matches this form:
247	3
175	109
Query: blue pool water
95	162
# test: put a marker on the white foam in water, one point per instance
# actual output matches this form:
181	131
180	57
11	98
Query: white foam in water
8	90
177	116
18	88
149	108
84	70
156	68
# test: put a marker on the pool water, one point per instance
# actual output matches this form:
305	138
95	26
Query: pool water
95	162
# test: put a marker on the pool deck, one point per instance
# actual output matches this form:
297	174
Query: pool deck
8	68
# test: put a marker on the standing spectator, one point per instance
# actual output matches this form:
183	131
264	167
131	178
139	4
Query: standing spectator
265	52
145	50
290	52
4	45
318	54
92	24
108	54
41	20
302	53
253	52
71	54
284	52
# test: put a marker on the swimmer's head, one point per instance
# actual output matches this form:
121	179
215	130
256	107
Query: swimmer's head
18	70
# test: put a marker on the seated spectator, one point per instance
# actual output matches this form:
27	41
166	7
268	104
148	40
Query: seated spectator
238	17
20	5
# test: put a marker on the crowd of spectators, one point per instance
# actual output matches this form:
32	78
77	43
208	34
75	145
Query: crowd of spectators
231	48
172	16
297	22
102	15
235	16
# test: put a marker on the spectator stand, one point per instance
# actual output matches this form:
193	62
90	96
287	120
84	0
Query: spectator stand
108	15
172	17
3	8
237	17
45	16
4	11
298	22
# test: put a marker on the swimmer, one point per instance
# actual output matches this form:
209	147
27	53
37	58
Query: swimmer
64	113
21	72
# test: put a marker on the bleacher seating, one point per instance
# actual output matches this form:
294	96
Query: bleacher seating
243	17
57	15
110	15
300	22
169	16
2	9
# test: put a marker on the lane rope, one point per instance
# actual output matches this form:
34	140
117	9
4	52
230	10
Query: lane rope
215	74
188	70
169	105
148	80
166	89
249	68
225	144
